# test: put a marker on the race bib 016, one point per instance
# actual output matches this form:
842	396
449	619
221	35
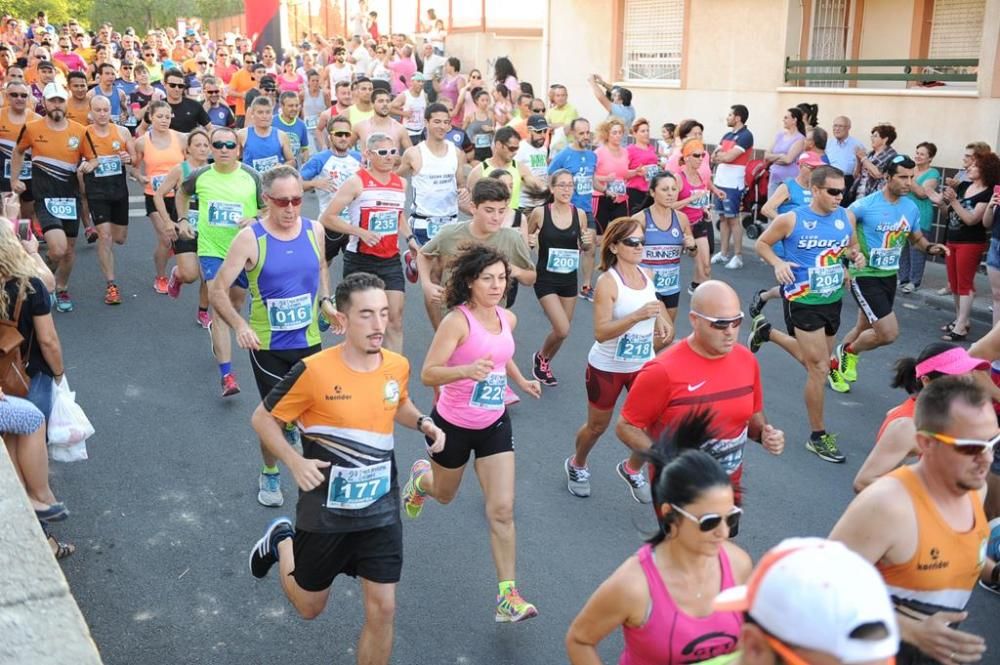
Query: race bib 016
354	488
293	313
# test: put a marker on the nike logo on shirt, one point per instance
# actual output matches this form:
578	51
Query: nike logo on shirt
694	387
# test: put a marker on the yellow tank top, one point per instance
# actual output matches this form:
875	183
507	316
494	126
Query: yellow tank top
159	161
946	564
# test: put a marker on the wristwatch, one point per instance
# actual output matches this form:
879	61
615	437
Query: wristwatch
420	422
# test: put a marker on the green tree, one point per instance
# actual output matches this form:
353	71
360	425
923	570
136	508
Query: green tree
58	11
146	14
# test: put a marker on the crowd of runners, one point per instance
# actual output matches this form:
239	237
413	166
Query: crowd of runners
474	186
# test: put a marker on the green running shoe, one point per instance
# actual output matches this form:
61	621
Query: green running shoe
848	364
755	339
413	497
511	608
837	381
826	448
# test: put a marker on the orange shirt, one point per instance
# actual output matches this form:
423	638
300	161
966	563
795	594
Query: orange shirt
943	571
241	82
904	410
55	154
78	111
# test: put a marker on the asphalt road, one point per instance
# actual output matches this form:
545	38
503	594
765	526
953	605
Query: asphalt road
165	511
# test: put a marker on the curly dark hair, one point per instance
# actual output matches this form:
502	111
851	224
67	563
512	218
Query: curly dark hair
468	266
989	169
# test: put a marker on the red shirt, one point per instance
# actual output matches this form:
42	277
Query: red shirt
680	381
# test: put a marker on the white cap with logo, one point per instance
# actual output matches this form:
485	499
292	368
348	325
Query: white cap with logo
54	90
817	594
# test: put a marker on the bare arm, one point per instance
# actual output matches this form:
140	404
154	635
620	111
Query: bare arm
770	209
436	372
615	603
891	450
242	252
48	342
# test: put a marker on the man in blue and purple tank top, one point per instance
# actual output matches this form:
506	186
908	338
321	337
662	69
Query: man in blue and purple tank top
282	254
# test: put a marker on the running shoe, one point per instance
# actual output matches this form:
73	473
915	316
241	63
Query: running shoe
174	285
944	291
111	295
734	263
906	288
757	304
511	608
269	490
826	448
229	385
837	381
264	552
542	370
636	484
91	233
410	266
160	285
992	588
719	258
587	293
293	438
323	323
757	329
413	497
848	363
63	302
577	480
203	318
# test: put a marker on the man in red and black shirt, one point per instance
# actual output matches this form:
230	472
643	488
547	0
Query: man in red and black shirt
706	371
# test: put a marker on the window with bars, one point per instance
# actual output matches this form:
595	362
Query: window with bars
653	40
828	40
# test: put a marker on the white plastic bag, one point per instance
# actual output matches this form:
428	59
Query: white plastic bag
69	427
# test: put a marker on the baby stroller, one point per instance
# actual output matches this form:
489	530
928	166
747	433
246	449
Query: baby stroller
754	197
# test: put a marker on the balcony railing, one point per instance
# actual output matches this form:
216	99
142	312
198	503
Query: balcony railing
924	71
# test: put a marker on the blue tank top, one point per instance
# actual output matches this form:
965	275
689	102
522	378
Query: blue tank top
816	248
662	254
284	290
797	196
114	98
262	154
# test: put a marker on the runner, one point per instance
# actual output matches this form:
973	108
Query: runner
106	189
611	172
731	158
924	528
887	222
183	232
815	241
506	143
13	115
115	95
375	196
361	109
342	101
314	101
479	126
708	370
470	360
350	433
283	260
436	258
411	105
59	149
242	82
229	198
628	321
437	175
562	231
896	440
140	98
264	147
288	121
186	113
662	606
218	111
812	601
158	150
382	123
694	200
668	233
790	194
533	154
580	160
77	106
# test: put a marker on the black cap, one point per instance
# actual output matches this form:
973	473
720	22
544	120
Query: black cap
537	122
45	64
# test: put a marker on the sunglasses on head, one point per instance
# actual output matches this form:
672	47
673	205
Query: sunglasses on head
720	323
228	145
711	521
284	203
968	447
633	242
385	152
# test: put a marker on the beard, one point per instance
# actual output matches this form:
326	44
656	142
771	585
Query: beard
57	114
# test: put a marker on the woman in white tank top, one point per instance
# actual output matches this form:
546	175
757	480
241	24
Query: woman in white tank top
630	325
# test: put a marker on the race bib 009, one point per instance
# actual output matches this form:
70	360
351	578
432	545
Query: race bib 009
61	208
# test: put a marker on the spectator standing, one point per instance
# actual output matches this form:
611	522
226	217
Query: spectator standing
616	100
842	150
870	170
732	156
989	170
504	74
923	192
784	153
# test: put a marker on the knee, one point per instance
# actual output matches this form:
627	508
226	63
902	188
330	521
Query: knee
309	611
818	367
120	241
560	331
381	609
596	429
57	253
887	336
444	498
500	513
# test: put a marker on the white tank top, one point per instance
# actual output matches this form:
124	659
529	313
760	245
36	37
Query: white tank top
413	112
626	353
435	189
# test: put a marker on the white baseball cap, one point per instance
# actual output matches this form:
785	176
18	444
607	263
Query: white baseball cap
817	594
53	90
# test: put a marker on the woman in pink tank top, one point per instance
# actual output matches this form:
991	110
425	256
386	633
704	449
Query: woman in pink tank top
471	359
662	596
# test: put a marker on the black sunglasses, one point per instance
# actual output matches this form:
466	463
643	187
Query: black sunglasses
834	191
711	521
18	95
228	145
177	85
212	92
342	135
632	242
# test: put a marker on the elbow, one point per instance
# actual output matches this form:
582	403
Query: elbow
861	481
527	277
